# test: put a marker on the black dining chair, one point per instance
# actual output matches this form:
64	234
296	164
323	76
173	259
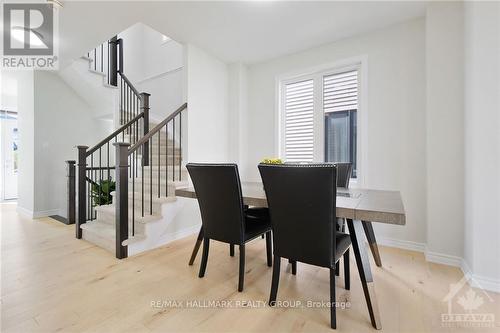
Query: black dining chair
302	206
223	216
344	172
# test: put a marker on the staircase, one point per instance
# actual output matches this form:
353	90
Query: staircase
143	159
149	212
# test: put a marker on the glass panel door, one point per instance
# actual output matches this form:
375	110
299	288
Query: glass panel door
9	158
340	137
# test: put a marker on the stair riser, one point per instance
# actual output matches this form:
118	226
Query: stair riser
153	160
110	218
147	187
98	240
163	140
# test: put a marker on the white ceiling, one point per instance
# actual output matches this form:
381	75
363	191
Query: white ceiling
240	31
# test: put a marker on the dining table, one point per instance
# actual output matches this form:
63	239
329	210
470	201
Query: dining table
360	208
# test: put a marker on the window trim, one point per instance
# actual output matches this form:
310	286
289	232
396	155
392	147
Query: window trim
361	64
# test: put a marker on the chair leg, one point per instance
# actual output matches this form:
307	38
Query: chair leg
337	268
262	236
196	247
333	307
275	280
204	257
269	249
347	276
231	250
242	267
294	267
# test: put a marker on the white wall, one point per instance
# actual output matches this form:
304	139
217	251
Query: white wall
237	109
395	136
154	66
62	120
482	142
444	111
207	98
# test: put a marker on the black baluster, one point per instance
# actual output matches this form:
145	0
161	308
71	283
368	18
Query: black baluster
102	59
91	184
151	177
173	149
180	145
142	181
100	179
133	195
159	158
166	159
107	147
127	108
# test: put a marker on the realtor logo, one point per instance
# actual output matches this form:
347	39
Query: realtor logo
470	303
28	36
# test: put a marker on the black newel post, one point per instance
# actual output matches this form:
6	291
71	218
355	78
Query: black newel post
145	109
82	195
121	198
113	61
70	174
120	54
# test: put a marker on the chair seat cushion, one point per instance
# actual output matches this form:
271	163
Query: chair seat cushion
256	226
343	241
258	212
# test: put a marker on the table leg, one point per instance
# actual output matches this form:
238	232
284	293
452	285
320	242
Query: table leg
370	236
365	274
196	247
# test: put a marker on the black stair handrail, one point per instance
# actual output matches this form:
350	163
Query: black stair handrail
157	128
117	132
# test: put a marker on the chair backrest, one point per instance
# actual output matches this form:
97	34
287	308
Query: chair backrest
344	171
218	190
302	206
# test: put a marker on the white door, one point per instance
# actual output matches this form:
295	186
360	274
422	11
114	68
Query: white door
9	143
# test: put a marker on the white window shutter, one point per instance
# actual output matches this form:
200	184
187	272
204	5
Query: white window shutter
299	115
340	92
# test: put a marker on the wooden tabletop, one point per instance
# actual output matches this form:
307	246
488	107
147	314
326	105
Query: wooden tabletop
356	204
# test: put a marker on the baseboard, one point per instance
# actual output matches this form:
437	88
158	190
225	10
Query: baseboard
45	213
478	281
401	244
441	258
37	214
25	212
185	232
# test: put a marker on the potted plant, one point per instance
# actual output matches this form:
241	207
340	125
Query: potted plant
101	192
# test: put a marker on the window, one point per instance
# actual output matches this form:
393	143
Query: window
340	105
299	115
319	117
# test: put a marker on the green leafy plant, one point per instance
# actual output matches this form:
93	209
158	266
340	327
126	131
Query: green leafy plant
101	192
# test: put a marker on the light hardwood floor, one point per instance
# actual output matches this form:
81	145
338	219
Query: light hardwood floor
54	282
